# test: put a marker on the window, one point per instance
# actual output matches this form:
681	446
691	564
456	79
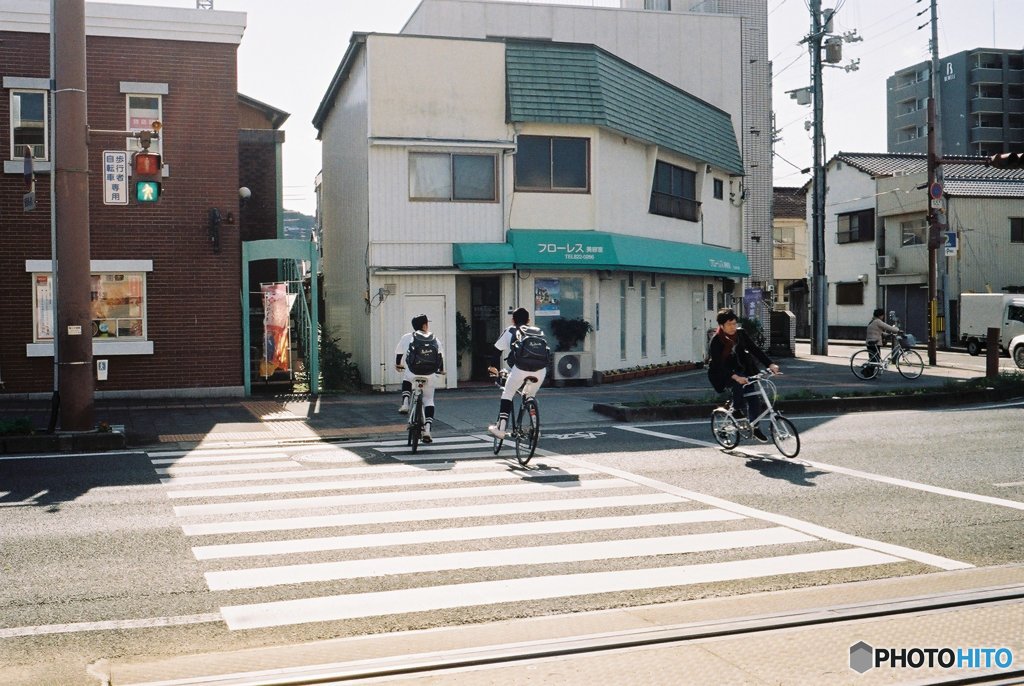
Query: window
914	232
622	319
29	124
784	243
856	227
709	298
1015	313
662	5
664	317
546	163
118	306
719	189
850	293
674	192
452	177
1017	229
643	318
143	110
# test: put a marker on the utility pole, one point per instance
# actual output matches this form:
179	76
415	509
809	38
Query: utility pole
936	215
819	284
73	336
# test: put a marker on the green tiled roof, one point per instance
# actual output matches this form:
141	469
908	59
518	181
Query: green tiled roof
582	84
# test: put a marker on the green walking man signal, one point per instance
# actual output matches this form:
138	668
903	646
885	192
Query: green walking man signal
147	169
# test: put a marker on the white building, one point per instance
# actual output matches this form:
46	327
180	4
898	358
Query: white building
473	176
876	238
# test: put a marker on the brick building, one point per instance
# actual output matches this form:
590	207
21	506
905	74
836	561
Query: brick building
166	312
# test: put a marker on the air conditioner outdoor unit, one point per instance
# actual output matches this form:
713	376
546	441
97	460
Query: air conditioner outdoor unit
573	366
886	262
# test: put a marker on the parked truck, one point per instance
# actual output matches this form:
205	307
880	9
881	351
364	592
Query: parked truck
981	311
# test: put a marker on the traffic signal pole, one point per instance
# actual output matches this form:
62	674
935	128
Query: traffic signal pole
73	335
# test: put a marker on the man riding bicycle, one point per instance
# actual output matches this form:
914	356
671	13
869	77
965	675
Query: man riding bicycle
516	375
733	356
405	366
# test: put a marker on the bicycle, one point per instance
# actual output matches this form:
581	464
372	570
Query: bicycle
417	414
524	424
865	365
728	429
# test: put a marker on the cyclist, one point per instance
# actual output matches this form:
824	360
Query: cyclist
421	326
733	356
877	328
504	344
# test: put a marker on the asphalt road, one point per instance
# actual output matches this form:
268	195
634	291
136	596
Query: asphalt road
162	553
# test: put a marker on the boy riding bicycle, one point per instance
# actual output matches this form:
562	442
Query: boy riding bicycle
509	342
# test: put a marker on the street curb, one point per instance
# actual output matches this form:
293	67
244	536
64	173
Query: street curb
90	442
815	405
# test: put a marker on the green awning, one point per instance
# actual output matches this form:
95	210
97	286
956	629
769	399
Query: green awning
477	256
555	249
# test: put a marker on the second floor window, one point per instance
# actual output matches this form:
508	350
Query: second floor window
452	177
28	124
1017	229
674	193
548	163
784	243
914	232
856	227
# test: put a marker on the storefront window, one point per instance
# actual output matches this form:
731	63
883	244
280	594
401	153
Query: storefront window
117	302
554	298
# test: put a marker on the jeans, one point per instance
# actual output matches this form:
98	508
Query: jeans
752	405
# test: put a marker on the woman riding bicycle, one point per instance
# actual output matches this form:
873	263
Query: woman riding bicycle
733	356
875	336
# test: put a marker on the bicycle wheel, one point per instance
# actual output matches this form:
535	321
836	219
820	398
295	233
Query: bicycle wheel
785	436
415	423
910	364
527	431
724	428
862	366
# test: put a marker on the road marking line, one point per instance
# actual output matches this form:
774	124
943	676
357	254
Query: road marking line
340	607
432	448
112	625
893	481
298	471
262	577
1009	484
397	497
215	459
398	482
467	533
782	520
181	471
562	504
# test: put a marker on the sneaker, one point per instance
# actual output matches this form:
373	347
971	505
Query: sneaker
404	407
496	432
759	435
425	436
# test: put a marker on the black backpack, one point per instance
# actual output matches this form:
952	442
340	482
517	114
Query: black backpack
529	350
423	356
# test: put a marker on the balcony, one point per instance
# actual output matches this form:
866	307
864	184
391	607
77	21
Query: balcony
986	75
673	206
987	134
994	105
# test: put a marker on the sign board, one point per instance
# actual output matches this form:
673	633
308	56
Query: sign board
935	190
950	243
29	201
115	177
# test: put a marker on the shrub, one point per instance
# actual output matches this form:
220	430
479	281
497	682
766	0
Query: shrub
337	370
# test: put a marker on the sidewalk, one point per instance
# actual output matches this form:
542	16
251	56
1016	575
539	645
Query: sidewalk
175	423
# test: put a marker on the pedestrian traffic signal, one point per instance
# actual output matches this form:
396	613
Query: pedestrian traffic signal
146	167
1007	160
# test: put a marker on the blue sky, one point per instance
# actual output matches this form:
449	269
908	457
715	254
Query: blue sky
291	49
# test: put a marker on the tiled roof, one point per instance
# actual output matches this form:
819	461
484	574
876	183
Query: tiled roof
582	84
969	177
789	202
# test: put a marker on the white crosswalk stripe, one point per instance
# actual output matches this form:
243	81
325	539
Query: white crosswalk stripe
316	519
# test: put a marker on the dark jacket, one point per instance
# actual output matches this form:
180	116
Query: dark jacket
743	359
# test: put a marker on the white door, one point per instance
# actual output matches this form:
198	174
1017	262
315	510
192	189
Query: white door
434	307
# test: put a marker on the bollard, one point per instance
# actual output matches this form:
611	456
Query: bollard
992	353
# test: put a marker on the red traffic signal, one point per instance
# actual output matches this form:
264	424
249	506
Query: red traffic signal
1007	160
146	167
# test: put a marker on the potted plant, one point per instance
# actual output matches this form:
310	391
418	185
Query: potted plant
569	332
463	337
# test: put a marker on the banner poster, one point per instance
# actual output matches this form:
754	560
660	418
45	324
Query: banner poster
751	297
44	307
277	303
546	298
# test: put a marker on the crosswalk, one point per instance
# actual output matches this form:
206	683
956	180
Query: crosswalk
367	529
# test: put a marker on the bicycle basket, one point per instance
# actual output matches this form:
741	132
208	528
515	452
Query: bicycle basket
908	341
